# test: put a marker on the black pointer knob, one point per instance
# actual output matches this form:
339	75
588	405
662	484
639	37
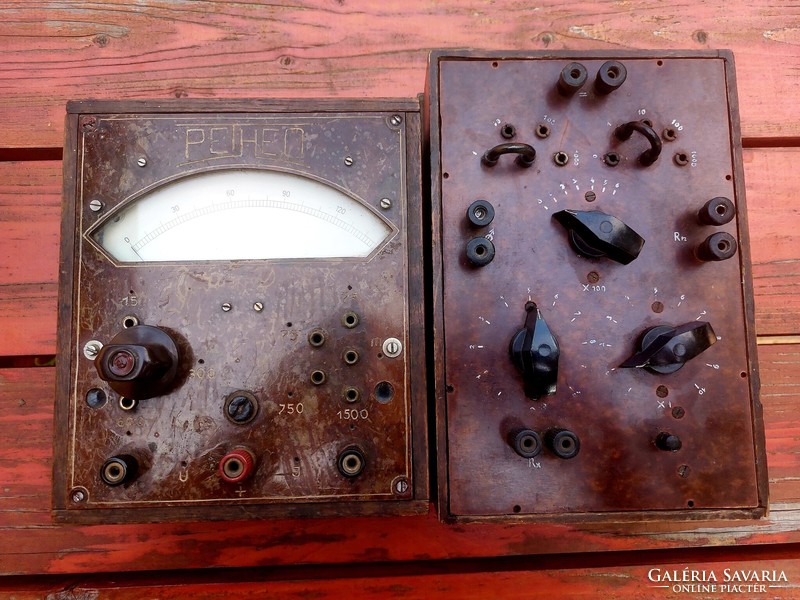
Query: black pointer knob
664	349
595	234
534	350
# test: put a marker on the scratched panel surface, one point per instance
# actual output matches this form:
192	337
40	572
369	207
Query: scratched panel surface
242	324
597	309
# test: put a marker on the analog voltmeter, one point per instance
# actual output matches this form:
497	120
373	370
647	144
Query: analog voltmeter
240	313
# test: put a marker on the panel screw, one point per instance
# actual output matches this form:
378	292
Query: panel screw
78	496
258	306
226	307
683	471
142	162
401	487
386	203
392	347
91	349
396	120
89	124
348	160
95	205
241	408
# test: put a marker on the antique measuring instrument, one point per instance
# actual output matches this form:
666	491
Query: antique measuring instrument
594	334
241	311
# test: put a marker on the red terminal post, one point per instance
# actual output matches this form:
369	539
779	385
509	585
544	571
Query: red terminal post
237	465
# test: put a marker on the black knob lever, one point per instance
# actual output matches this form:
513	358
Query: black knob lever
534	350
140	362
526	154
664	349
595	234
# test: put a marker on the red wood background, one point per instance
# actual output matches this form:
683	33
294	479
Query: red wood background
52	52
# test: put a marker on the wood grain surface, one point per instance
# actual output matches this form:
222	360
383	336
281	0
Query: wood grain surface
54	52
69	50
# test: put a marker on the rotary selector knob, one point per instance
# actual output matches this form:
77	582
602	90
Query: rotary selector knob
534	350
140	362
595	234
664	349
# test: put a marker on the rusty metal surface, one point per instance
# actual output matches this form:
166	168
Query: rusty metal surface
300	428
596	308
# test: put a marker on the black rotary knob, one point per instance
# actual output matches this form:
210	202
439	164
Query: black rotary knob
595	234
140	362
664	349
534	350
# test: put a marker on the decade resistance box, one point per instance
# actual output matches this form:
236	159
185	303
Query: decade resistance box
594	328
240	317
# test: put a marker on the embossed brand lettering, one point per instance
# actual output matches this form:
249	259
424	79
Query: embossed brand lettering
237	140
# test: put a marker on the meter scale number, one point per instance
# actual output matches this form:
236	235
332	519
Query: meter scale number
241	215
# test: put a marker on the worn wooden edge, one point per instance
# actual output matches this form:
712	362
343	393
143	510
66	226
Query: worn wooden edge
242	105
416	279
746	265
436	305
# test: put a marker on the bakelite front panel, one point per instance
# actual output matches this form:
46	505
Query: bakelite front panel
297	387
627	422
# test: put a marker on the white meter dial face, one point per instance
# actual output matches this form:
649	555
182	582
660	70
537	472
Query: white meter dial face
239	215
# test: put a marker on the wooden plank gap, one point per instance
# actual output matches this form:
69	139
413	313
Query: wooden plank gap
771	142
775	340
30	154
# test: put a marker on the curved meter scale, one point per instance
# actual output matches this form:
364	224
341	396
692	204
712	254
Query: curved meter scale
240	313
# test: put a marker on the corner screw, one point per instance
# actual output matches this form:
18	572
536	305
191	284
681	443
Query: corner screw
348	160
258	306
142	162
386	203
396	120
78	496
89	123
95	205
226	307
401	487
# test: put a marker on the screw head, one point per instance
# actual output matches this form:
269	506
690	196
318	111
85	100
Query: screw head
91	349
89	123
258	306
348	160
226	307
78	496
400	485
683	471
396	120
241	407
142	162
392	347
386	203
95	205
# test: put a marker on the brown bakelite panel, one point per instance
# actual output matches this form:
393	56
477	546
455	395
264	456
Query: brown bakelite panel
596	308
296	349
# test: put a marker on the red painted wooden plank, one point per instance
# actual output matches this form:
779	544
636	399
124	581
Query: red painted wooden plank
714	576
53	53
